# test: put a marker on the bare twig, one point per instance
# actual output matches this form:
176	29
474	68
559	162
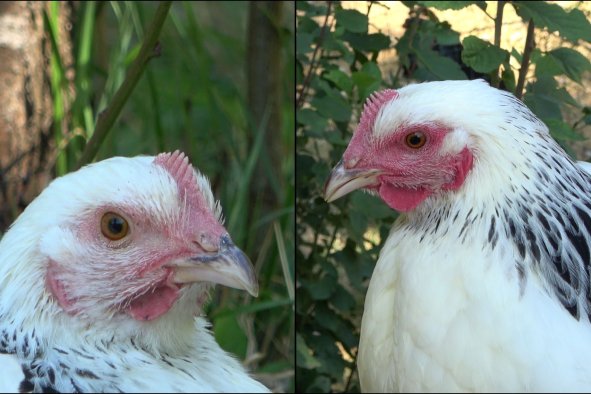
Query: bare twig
353	370
369	8
529	47
495	80
150	48
314	61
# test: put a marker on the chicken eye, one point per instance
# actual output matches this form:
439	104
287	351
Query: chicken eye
114	226
416	140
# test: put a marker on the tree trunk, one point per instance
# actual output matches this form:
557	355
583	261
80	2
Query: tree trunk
26	112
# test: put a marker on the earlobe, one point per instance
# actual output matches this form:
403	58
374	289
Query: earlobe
57	288
463	165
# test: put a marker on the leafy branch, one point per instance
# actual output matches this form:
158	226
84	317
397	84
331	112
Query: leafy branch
314	61
150	48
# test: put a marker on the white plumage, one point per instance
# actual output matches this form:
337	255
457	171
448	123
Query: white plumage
483	283
83	311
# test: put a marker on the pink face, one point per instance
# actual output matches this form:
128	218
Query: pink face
403	165
123	256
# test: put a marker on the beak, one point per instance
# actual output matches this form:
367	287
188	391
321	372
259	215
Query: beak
343	181
229	266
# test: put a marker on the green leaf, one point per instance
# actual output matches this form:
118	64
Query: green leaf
440	67
324	346
481	55
276	366
562	130
338	47
334	43
320	289
303	6
548	88
310	118
358	266
230	335
367	42
352	20
508	77
311	9
304	42
308	25
516	55
304	357
547	66
132	54
342	300
335	324
452	5
315	124
332	107
544	98
445	36
543	105
572	63
368	79
321	384
339	78
571	25
304	162
358	223
252	308
370	206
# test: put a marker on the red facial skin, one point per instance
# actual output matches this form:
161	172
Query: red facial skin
130	274
409	175
131	269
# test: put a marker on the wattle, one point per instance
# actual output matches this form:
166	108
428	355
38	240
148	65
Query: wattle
153	304
402	199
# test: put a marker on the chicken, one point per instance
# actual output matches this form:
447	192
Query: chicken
483	282
103	279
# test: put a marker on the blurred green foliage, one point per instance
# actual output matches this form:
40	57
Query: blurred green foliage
336	70
192	97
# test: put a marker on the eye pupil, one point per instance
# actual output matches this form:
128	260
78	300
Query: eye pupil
114	226
416	140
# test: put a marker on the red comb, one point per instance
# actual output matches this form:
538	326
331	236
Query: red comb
178	166
200	223
372	107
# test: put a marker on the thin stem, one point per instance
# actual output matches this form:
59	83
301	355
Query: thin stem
313	62
353	370
332	239
150	48
314	244
495	80
578	122
529	47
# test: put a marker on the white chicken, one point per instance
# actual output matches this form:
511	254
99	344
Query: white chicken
483	283
103	278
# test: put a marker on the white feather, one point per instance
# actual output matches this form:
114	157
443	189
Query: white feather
445	309
11	374
126	355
